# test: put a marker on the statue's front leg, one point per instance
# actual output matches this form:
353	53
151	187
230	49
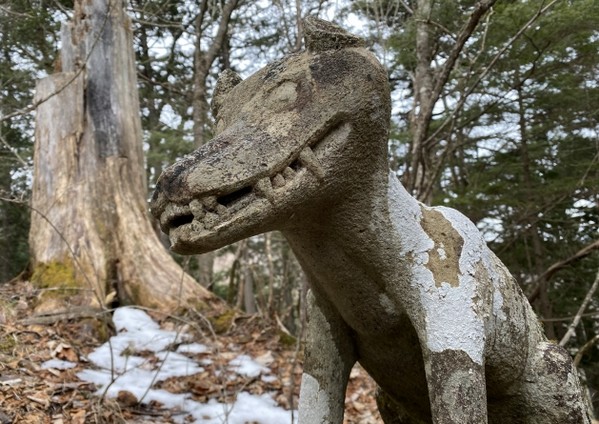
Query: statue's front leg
328	360
457	388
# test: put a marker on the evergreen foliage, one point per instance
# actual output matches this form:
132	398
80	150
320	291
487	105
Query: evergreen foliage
28	34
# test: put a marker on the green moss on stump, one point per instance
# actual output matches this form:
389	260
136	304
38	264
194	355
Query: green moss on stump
221	323
7	344
287	340
57	278
55	274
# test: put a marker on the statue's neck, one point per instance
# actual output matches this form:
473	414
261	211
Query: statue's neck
363	231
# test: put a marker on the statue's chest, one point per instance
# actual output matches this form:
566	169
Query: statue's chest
364	301
370	312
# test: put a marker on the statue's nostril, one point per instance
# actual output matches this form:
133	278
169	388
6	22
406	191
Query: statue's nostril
180	220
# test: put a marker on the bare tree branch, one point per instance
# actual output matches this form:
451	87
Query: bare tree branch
584	349
406	6
585	303
13	151
432	138
463	36
203	62
585	251
428	87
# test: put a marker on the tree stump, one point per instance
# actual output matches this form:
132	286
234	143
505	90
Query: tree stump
91	237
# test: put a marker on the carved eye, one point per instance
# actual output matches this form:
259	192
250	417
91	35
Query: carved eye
284	94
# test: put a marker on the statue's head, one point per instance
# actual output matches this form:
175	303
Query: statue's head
292	139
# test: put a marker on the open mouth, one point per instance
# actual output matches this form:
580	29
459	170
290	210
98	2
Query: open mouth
210	211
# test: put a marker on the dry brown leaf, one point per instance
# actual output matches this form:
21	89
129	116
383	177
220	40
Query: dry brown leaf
65	352
265	359
78	417
40	398
126	398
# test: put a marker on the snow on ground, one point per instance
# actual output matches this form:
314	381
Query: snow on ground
122	364
244	365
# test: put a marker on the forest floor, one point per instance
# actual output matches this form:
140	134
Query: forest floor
45	370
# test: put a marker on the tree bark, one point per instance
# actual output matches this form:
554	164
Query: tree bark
429	83
422	110
249	300
550	272
544	303
90	232
203	61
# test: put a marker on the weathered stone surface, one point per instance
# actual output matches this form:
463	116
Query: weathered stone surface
411	292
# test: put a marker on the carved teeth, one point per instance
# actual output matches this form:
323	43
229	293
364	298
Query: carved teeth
210	220
221	209
196	225
264	189
288	173
197	209
310	161
210	202
278	181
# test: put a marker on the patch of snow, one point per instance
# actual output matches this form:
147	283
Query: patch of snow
244	365
247	409
192	348
58	364
122	367
268	378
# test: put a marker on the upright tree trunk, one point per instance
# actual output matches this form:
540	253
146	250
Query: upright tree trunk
90	232
203	60
424	102
543	303
249	299
429	82
5	189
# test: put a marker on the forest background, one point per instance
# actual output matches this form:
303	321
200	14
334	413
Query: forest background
504	128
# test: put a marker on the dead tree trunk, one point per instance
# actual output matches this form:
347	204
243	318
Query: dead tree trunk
90	233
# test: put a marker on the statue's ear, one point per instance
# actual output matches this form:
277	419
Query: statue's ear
322	35
226	81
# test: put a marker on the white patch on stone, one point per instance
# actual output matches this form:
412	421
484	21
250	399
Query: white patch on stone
451	312
441	252
388	305
475	251
314	402
498	306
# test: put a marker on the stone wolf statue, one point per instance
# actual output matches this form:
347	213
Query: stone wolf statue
410	292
